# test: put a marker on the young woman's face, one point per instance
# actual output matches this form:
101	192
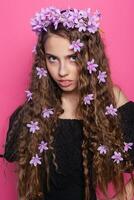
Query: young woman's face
61	63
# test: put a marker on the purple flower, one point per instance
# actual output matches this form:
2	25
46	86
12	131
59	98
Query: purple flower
110	110
81	25
102	76
34	49
93	22
41	72
28	94
88	99
117	157
35	160
47	112
76	45
43	146
127	146
102	149
91	66
33	126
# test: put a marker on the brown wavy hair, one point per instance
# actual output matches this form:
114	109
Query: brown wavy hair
97	127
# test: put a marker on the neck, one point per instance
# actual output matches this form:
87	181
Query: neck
70	96
69	104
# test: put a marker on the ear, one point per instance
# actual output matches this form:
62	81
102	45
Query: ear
120	97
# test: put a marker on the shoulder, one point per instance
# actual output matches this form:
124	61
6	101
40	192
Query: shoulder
120	96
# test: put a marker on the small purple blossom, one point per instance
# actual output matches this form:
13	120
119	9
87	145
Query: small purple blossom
102	76
93	22
88	99
110	110
41	72
35	160
102	149
34	49
76	45
28	94
117	157
47	112
33	126
91	66
43	146
127	146
81	25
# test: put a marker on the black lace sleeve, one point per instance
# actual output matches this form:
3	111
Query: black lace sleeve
10	153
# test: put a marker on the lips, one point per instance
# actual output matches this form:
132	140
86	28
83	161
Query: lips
65	83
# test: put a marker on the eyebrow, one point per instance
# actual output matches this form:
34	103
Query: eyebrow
67	56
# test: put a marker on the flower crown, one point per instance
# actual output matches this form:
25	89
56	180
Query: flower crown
83	20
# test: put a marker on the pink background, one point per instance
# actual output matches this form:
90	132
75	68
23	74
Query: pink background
16	44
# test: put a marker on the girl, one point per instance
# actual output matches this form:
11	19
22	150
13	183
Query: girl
74	132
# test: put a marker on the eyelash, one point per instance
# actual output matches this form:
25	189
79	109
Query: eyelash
49	58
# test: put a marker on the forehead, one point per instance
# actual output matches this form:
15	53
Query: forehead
56	44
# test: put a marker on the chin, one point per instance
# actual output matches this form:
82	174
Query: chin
67	89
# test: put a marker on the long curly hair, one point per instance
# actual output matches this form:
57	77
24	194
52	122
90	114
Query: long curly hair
97	127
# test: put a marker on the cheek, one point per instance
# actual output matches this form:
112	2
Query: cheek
52	71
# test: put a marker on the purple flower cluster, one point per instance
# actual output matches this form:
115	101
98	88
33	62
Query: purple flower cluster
91	67
117	157
36	160
83	20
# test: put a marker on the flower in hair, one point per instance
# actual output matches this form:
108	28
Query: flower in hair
127	146
88	99
76	45
110	110
81	25
117	157
43	146
102	76
34	49
35	160
83	20
91	66
33	127
93	23
28	94
47	112
41	72
102	149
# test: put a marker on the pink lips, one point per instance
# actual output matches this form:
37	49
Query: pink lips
65	83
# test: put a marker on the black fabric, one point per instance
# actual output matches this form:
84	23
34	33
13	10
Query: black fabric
10	153
67	182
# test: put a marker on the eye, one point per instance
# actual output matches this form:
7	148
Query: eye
73	58
51	58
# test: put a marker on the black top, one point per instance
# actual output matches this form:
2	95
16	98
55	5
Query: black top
67	182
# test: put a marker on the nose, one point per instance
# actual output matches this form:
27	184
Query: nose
63	70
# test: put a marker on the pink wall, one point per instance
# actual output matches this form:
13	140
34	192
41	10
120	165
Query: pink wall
17	41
